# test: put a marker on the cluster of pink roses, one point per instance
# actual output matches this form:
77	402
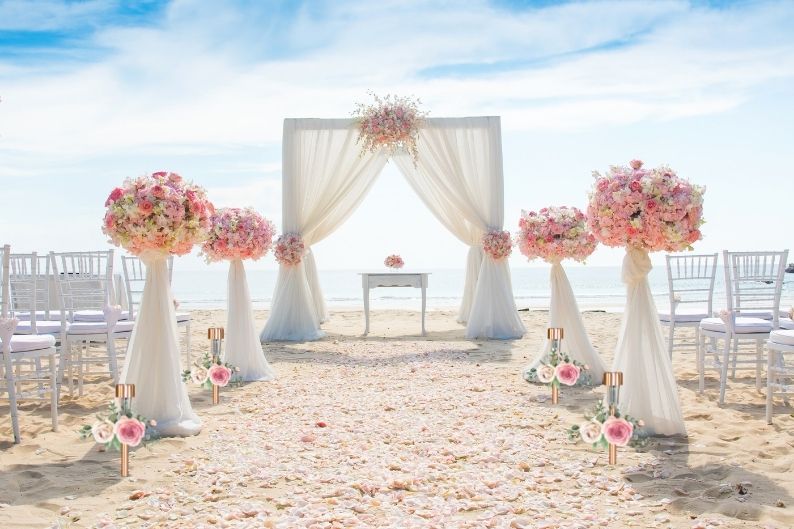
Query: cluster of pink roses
394	261
238	234
208	372
392	122
650	209
498	244
160	212
564	373
289	249
555	233
613	430
119	427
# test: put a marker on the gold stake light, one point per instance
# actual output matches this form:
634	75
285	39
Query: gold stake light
613	380
216	335
554	334
125	393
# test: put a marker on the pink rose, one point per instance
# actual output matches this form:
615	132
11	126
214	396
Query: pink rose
145	207
567	373
130	431
220	375
114	196
159	174
618	431
635	164
635	186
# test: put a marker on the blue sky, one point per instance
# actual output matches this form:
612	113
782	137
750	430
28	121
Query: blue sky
95	91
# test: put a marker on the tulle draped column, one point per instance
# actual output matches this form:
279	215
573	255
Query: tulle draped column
649	389
152	362
243	349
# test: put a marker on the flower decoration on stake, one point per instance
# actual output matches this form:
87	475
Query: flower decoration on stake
394	261
554	234
649	209
211	373
497	244
391	122
238	234
605	431
289	249
560	369
160	212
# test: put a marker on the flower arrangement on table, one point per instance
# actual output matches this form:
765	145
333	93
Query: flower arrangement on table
394	261
554	234
160	212
238	234
391	121
601	429
649	209
210	372
497	244
289	249
120	426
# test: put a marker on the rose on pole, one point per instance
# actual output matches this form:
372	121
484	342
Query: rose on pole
238	233
555	233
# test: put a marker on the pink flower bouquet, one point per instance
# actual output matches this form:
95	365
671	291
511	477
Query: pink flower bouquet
394	261
119	426
289	249
497	244
650	209
159	212
600	429
554	234
238	234
208	372
391	122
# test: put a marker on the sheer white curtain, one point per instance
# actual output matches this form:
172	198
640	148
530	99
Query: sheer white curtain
325	177
649	390
459	177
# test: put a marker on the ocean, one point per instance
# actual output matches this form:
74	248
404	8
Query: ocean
596	288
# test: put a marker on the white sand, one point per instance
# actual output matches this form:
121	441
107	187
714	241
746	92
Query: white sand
434	432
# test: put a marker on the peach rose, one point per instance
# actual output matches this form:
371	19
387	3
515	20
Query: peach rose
567	373
618	431
220	375
130	431
591	431
103	432
199	374
545	373
635	164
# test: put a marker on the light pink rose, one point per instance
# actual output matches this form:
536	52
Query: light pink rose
567	373
591	431
103	432
635	164
618	431
130	431
220	375
545	373
199	374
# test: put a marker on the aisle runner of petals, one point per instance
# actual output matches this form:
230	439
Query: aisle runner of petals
393	438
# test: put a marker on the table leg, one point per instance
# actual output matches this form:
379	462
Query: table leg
424	304
366	309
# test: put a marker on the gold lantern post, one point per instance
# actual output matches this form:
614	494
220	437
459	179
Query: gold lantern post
216	335
125	393
554	334
613	380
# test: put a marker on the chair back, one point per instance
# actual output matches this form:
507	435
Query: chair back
754	282
690	279
24	282
135	280
84	280
5	253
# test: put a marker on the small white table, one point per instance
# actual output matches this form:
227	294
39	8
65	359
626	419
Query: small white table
393	279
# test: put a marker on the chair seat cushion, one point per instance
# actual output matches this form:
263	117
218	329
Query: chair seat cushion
743	325
182	316
31	342
96	315
40	315
785	337
684	316
758	313
42	327
786	323
99	327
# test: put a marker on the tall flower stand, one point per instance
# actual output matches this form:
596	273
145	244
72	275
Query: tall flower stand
152	362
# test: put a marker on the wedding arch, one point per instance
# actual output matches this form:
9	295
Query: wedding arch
458	175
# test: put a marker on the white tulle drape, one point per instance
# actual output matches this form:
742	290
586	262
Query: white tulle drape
152	362
325	177
649	389
243	349
564	313
458	175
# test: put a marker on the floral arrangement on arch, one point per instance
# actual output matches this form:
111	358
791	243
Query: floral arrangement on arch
601	429
289	249
210	372
554	234
649	209
394	261
120	426
160	212
238	234
498	244
391	121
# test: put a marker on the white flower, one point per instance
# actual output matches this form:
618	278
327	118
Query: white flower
103	431
591	431
545	373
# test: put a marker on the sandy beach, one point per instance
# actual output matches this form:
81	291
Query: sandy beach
401	431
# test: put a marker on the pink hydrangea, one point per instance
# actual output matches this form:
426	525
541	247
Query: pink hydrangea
554	234
289	249
159	212
497	244
651	209
238	234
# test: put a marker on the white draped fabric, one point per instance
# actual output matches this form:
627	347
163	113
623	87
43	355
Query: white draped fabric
458	176
564	313
152	362
325	177
649	390
243	349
